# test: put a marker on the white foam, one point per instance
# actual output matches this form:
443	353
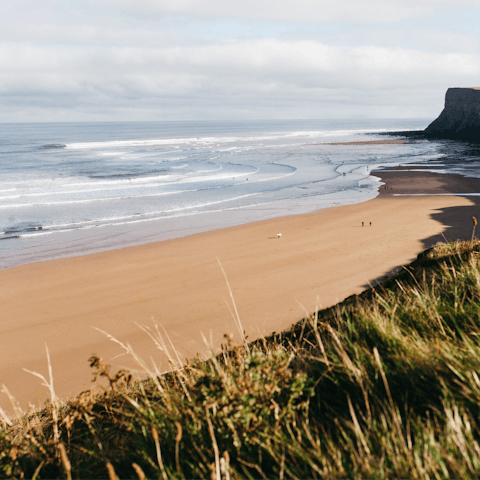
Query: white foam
89	200
112	154
70	192
219	140
153	216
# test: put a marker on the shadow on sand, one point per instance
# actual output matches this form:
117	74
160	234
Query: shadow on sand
458	226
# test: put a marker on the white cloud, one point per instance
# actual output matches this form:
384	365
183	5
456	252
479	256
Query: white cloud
303	11
147	59
293	74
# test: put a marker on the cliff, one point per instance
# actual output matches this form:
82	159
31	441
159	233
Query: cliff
460	119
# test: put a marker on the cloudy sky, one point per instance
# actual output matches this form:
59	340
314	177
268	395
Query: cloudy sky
106	60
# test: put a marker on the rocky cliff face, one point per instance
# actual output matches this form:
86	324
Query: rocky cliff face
461	116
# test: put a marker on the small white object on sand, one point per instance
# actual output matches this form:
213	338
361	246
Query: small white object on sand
279	235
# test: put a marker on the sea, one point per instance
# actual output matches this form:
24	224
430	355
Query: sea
69	189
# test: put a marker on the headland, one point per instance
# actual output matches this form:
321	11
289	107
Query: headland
460	119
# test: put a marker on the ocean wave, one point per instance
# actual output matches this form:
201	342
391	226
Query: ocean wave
127	176
134	218
8	238
52	145
73	192
121	182
222	140
89	200
132	143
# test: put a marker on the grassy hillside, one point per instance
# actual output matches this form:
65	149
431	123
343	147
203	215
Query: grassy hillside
383	385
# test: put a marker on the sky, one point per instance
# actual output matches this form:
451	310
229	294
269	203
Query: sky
151	60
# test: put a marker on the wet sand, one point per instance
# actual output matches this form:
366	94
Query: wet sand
367	142
320	259
401	181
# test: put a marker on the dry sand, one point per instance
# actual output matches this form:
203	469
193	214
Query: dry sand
320	259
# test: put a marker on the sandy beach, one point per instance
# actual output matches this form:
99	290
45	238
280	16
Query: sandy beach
320	259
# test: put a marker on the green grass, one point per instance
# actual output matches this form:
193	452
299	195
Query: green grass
383	385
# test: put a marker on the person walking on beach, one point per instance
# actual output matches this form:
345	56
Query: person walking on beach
362	224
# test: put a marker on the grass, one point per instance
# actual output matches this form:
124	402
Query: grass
383	385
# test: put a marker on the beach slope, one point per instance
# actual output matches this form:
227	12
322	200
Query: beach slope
319	259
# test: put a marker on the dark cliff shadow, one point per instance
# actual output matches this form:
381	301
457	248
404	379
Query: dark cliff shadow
458	225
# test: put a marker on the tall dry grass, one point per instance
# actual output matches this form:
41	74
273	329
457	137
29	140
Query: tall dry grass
383	385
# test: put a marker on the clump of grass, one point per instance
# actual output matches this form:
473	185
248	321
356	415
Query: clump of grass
384	384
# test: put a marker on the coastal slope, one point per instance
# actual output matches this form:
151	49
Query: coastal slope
460	119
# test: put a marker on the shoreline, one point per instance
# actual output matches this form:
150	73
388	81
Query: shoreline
29	245
321	258
365	142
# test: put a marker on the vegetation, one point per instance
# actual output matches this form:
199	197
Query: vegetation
384	385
